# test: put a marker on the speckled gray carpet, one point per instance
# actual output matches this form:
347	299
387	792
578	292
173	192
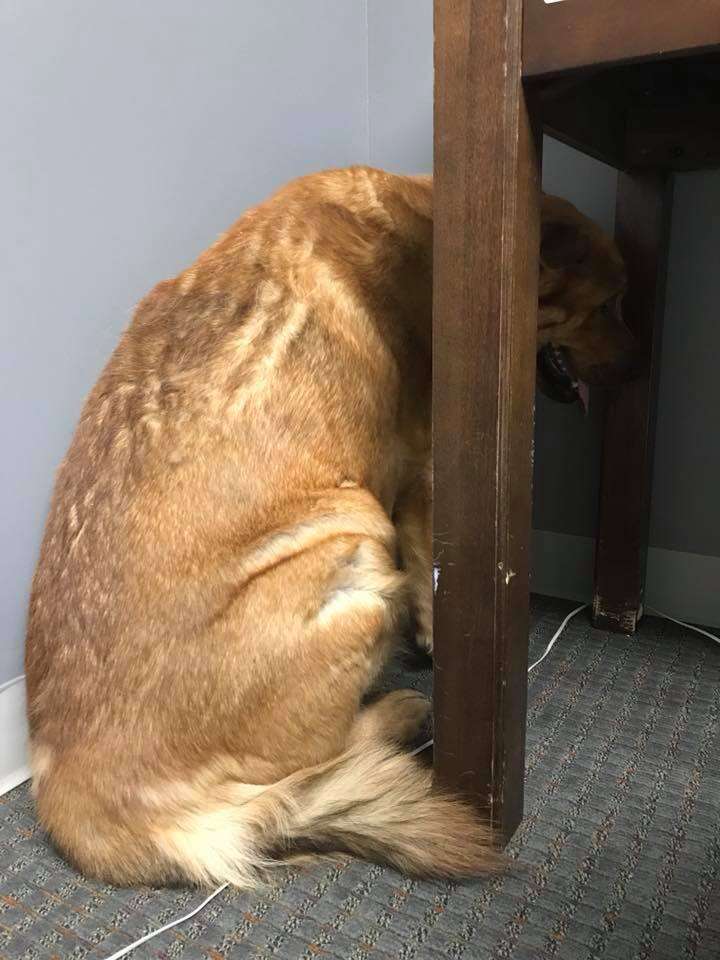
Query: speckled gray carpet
620	846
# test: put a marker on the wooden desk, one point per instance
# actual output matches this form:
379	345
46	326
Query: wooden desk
636	84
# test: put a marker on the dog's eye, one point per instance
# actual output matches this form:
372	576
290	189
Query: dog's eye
611	307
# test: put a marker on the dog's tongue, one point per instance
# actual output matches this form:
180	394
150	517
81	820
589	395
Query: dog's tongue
583	395
557	378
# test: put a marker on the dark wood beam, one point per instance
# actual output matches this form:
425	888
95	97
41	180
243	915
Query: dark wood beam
581	112
680	137
572	34
644	209
486	215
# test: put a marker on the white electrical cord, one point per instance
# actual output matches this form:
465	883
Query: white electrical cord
557	633
149	936
168	926
659	613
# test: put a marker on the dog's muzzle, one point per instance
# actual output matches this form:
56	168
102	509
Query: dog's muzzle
556	378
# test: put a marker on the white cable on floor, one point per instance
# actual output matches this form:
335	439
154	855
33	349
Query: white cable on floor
659	613
557	633
168	926
424	746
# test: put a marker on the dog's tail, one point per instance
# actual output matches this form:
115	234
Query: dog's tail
373	801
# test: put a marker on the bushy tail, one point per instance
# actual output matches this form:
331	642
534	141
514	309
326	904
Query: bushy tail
373	801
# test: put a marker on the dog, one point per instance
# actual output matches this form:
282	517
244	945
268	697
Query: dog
237	530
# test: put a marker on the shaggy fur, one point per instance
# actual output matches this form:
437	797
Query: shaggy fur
219	583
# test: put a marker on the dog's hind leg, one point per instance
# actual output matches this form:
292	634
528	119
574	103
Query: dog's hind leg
413	521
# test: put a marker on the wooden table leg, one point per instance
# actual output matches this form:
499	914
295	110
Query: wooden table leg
642	228
486	213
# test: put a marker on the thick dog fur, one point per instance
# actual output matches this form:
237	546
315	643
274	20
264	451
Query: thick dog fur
239	524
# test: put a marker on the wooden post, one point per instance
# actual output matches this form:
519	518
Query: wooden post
642	229
486	213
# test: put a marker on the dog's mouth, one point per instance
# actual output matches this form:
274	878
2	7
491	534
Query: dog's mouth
556	377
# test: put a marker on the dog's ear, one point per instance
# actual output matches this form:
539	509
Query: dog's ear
563	245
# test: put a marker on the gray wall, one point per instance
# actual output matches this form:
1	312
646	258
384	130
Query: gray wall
686	501
400	84
132	134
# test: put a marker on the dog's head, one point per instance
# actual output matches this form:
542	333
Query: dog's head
582	338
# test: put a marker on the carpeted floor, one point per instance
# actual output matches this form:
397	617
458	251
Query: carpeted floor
619	849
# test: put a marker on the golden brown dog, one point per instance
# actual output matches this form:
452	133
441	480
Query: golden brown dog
219	583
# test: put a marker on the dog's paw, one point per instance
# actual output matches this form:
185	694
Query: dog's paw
424	642
404	714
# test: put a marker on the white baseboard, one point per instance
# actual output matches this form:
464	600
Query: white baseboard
14	761
682	585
